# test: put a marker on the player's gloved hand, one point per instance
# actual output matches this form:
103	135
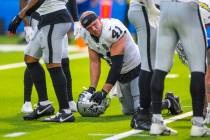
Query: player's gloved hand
154	21
14	24
90	90
98	96
154	12
154	16
28	33
77	27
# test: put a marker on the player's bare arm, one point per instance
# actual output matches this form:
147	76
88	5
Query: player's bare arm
95	68
23	3
29	7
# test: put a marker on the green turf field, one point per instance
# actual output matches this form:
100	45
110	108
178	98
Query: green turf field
111	123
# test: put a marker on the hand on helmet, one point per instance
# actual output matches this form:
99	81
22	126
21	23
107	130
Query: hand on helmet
90	90
98	96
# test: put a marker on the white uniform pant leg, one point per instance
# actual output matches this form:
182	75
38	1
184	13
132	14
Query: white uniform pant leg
146	34
65	47
53	36
33	48
130	96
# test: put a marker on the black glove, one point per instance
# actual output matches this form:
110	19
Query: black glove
98	96
90	90
14	24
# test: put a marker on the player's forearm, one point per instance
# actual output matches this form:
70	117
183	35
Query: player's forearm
30	8
23	4
95	71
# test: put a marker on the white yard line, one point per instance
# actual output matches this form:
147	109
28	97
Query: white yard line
133	132
22	64
136	135
15	134
99	134
21	48
171	76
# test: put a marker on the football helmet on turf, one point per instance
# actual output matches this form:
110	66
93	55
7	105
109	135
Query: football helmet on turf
89	108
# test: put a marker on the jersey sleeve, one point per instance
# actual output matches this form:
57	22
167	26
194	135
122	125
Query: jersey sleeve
114	31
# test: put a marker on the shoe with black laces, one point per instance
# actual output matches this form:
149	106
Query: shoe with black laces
141	119
40	111
61	116
174	104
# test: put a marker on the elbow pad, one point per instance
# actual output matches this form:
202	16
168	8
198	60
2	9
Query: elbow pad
116	66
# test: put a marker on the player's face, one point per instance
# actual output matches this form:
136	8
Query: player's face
95	28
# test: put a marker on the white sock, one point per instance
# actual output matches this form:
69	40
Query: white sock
71	101
68	111
158	117
27	102
44	103
198	121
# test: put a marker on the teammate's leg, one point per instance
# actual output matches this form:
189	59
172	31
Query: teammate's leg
32	54
28	84
194	37
147	42
52	57
66	69
166	42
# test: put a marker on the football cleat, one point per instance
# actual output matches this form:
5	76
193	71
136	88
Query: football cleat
174	107
141	119
60	117
73	106
199	129
27	107
40	111
159	128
